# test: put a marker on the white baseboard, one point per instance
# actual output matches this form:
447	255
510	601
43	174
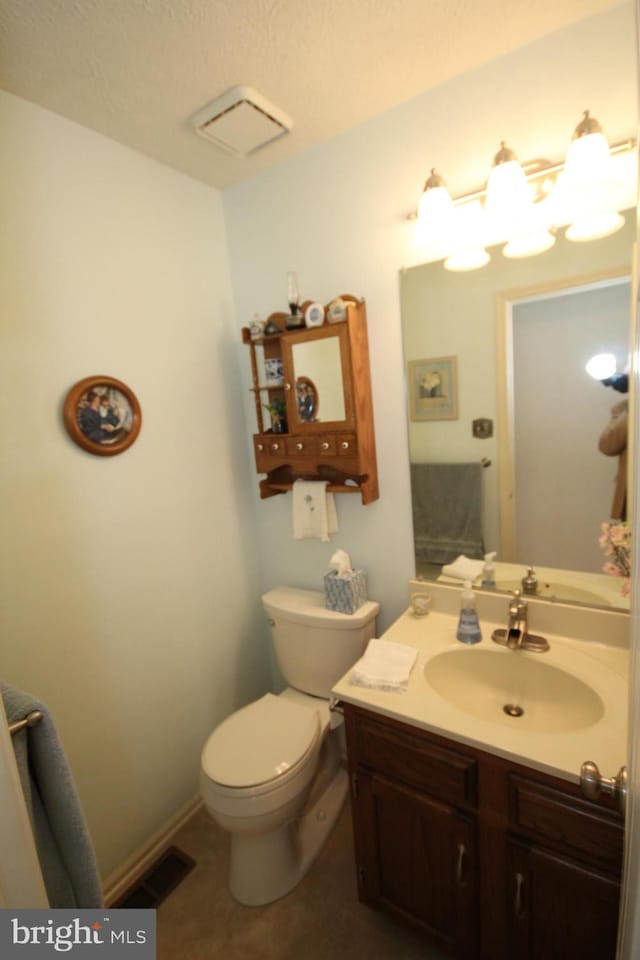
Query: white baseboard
139	862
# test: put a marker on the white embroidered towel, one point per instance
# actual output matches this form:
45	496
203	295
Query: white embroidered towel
384	666
463	568
314	511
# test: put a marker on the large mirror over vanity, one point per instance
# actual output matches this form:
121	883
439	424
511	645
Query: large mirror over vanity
524	476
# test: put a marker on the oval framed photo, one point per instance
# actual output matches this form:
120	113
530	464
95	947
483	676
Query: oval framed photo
102	415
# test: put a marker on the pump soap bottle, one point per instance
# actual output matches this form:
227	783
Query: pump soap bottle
489	572
468	626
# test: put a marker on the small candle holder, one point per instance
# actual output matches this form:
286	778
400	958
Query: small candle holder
296	320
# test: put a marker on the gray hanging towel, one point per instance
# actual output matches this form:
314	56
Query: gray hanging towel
61	836
447	511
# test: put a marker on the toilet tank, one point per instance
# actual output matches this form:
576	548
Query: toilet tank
314	646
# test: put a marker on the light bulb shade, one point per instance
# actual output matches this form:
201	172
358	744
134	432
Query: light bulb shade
469	258
529	244
508	195
594	225
601	366
588	160
467	251
435	210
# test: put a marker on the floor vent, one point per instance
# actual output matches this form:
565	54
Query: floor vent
156	884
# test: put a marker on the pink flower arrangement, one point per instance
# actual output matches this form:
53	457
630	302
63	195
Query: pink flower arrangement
615	540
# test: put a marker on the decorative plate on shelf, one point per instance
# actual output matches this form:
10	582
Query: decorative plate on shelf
314	315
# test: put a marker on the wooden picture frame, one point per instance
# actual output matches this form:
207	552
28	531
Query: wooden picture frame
102	415
433	389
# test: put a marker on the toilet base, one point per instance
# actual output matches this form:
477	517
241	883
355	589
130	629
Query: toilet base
265	867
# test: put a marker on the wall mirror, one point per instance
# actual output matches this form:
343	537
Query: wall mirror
520	332
319	376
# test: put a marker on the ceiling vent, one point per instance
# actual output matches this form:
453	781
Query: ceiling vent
241	121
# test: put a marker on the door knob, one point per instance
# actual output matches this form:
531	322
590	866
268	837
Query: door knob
593	784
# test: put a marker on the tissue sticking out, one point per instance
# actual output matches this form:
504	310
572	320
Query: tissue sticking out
340	564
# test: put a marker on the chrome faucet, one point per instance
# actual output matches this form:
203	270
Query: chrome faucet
517	629
517	636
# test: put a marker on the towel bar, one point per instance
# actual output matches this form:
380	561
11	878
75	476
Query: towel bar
29	721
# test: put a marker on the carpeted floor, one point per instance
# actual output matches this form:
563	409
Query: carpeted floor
320	920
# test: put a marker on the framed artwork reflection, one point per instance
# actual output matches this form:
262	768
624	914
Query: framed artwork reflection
433	389
102	415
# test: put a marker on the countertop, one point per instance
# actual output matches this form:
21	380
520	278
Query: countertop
601	665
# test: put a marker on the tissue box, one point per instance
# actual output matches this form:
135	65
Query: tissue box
345	594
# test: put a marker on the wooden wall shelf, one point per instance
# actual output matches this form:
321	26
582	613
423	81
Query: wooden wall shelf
337	444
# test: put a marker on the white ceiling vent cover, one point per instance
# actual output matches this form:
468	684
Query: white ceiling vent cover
241	121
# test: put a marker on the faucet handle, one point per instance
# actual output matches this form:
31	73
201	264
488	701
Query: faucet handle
530	582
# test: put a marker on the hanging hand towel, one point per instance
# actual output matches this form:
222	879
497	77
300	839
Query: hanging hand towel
314	511
63	842
384	666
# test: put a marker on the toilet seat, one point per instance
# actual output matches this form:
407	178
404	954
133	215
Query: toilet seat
261	746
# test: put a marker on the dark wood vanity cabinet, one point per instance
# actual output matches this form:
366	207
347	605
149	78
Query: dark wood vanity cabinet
493	860
326	432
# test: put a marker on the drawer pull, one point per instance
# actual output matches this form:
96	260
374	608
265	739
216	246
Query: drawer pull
461	878
287	386
345	444
593	784
518	903
260	447
299	446
324	445
275	446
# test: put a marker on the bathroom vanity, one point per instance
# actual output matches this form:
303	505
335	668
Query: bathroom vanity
476	829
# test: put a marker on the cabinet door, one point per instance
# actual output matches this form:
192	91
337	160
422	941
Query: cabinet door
318	379
558	909
416	856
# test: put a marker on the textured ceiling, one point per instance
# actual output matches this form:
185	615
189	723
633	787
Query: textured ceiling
137	70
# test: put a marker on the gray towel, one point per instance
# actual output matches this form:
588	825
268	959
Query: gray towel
447	511
61	836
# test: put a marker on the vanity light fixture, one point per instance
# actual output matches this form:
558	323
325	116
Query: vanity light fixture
523	205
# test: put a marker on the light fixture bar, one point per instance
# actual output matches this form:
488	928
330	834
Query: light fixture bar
533	169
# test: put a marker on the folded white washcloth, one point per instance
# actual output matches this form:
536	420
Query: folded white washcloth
463	568
314	511
384	666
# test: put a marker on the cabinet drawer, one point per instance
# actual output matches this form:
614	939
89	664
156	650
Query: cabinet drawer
300	446
567	822
404	755
327	444
346	445
266	446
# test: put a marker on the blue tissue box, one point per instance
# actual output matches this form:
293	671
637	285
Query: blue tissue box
345	594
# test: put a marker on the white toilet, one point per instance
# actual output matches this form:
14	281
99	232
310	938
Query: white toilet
272	773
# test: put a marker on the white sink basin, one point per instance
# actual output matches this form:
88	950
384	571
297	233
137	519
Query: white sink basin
539	697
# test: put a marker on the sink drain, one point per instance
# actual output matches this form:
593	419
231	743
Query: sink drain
513	710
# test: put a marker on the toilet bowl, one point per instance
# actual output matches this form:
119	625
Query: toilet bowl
271	773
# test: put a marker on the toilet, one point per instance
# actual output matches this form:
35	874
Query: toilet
273	773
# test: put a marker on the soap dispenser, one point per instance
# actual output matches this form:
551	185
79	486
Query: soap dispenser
488	572
468	626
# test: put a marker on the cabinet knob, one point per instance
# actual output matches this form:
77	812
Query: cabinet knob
593	784
260	447
460	866
324	445
345	444
299	446
275	446
287	386
518	903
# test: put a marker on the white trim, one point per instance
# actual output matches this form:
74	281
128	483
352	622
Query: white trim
126	875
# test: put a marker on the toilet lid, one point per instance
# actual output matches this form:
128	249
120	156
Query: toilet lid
260	742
